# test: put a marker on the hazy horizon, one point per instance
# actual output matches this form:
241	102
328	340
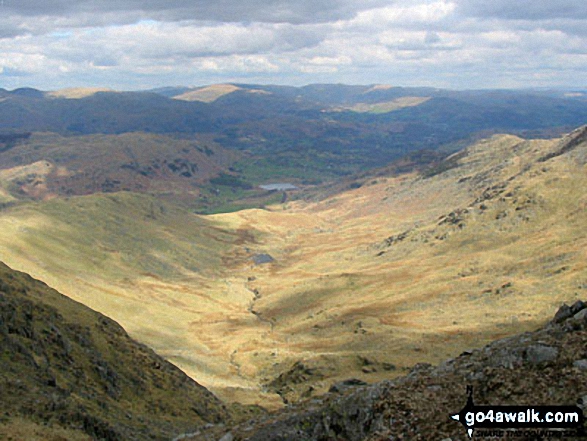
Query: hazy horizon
568	89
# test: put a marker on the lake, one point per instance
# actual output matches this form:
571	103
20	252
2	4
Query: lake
278	187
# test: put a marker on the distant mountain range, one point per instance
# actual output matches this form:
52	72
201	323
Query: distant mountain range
237	112
300	135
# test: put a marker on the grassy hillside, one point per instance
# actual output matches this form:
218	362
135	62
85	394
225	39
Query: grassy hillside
265	306
207	94
109	163
386	106
150	265
76	92
71	373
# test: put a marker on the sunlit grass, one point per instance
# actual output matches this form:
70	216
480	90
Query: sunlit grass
467	269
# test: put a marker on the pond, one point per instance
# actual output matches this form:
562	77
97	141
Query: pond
281	186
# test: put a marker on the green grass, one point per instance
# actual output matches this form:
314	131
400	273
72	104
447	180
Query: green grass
139	233
233	204
304	167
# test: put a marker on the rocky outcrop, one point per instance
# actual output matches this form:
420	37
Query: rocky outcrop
545	367
568	143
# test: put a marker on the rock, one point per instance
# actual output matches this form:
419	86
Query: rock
186	436
511	358
581	364
420	367
581	315
537	354
505	358
563	313
391	240
476	376
227	437
578	306
365	361
346	384
388	366
261	259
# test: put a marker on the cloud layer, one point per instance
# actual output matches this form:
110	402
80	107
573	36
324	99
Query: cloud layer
131	44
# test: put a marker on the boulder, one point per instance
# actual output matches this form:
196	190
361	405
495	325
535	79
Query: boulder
563	313
261	259
537	354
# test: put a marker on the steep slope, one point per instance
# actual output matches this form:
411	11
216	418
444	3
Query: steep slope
152	266
67	371
544	367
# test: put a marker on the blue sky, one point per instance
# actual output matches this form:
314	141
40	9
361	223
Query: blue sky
131	44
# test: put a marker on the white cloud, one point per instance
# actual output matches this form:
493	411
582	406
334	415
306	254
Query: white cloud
404	16
454	43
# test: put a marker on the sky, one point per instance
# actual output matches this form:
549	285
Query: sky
134	45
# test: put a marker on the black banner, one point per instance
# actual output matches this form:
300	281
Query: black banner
517	417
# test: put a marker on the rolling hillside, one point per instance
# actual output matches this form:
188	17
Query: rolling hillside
270	306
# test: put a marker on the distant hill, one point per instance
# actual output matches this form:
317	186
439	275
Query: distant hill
207	94
307	135
102	112
245	116
76	92
71	373
90	164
